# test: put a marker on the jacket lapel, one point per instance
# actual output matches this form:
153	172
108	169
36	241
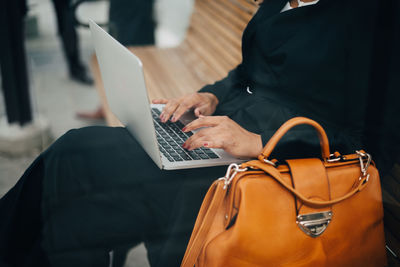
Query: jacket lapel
280	27
266	10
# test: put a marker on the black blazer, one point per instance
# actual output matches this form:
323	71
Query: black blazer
311	61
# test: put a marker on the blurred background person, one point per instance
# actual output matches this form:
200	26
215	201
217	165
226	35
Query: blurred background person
131	22
70	41
13	62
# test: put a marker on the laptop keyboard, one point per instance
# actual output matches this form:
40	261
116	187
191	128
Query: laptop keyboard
170	139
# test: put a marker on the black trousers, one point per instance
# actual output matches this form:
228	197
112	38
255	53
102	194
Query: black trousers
96	190
14	73
67	32
131	22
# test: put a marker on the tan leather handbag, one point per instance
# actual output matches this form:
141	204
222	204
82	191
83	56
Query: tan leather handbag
304	212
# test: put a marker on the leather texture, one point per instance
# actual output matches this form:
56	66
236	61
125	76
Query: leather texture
253	220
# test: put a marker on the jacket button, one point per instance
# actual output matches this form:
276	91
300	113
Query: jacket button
248	90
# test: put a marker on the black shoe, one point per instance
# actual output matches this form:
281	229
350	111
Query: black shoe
80	75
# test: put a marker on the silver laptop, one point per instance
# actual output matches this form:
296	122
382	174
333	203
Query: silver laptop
122	74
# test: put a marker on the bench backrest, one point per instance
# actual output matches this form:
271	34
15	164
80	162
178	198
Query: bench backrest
216	29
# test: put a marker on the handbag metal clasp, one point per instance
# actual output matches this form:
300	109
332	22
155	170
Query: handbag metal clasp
233	169
314	224
364	167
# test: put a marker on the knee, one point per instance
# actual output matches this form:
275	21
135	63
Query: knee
71	139
87	138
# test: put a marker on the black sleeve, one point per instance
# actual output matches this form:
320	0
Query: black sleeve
222	88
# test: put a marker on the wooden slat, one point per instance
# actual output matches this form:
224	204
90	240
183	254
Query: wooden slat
235	15
233	24
201	71
157	73
248	6
214	51
232	34
219	34
243	9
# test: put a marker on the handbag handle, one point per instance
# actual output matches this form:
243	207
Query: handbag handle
323	138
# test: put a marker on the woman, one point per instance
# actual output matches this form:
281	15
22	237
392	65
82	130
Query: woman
95	189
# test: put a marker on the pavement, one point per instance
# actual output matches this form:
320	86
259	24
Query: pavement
54	96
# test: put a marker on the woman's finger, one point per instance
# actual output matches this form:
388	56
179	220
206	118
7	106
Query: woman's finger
201	111
197	112
168	110
204	121
198	135
198	139
182	108
214	144
197	143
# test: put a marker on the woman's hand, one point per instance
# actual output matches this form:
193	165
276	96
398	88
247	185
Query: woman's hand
202	103
222	132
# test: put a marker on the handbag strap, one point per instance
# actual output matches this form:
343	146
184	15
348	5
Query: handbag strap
208	210
274	173
273	141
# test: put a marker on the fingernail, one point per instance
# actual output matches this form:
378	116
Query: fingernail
173	119
205	144
184	145
184	129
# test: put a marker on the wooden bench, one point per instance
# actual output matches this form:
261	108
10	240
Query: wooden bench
211	48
